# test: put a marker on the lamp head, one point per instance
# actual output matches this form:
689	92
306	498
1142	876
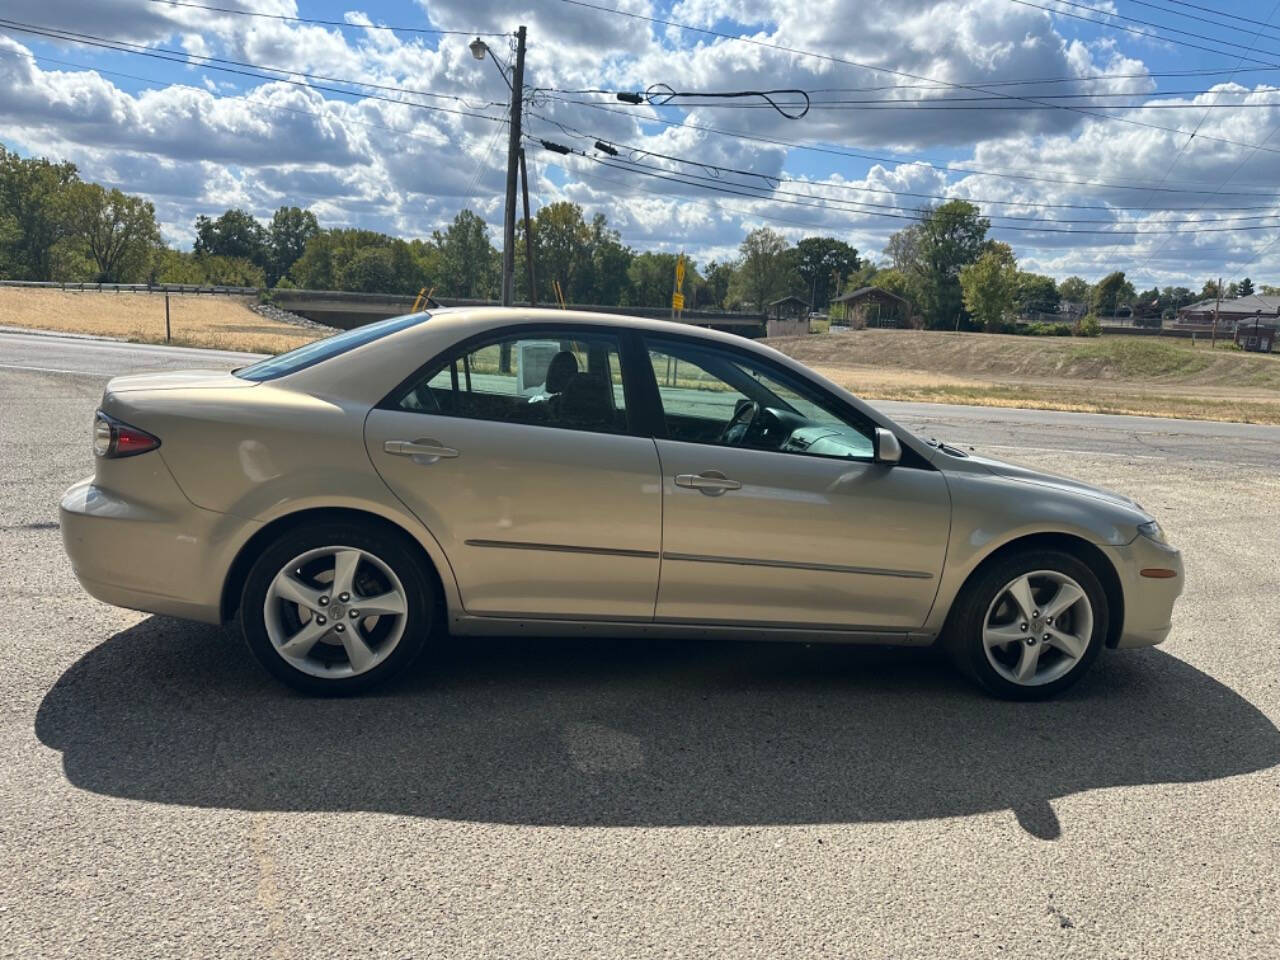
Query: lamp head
478	48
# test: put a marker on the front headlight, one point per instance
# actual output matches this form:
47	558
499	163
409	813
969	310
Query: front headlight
1152	531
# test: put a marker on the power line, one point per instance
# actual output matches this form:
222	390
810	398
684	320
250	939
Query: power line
182	56
693	180
320	22
1216	22
1145	23
771	179
887	70
1178	156
1221	13
40	58
857	155
251	70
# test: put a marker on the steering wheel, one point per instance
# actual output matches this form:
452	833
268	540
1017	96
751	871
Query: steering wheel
738	428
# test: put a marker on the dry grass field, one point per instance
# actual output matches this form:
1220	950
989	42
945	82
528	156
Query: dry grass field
1146	376
219	322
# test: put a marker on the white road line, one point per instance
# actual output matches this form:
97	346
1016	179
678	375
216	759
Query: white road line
77	373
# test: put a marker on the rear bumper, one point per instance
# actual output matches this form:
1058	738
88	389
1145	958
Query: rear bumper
169	558
1148	600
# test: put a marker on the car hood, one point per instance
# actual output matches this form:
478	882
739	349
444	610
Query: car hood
1013	471
177	380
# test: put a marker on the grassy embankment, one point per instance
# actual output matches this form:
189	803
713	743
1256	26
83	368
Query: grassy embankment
1149	376
218	322
1158	377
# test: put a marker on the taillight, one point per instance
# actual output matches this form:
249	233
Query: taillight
113	439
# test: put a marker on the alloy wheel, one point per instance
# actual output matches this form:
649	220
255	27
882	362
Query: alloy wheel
335	611
1037	628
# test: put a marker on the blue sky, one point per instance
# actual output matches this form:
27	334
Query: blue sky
1072	193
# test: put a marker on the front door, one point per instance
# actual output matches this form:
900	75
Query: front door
774	509
513	451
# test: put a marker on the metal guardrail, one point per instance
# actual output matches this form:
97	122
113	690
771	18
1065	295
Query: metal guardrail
133	287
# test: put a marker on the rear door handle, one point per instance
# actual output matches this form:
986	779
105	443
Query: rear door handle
427	449
711	482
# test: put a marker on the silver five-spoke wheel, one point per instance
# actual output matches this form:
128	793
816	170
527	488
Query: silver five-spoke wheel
1037	628
335	611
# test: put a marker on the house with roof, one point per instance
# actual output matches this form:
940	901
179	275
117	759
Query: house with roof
872	306
1231	313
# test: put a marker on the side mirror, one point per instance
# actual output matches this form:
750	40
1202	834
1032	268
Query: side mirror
888	449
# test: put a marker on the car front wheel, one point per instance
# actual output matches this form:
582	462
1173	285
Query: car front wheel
1029	625
335	608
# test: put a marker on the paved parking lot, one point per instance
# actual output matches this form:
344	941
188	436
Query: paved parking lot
162	798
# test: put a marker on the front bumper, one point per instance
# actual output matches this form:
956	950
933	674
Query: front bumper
167	557
1148	600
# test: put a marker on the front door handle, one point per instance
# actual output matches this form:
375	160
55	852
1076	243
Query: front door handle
423	451
711	482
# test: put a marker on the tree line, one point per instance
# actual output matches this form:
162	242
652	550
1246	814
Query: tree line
948	272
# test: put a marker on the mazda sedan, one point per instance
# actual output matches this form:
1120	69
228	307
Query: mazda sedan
543	473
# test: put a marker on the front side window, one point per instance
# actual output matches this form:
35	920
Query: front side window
571	380
724	398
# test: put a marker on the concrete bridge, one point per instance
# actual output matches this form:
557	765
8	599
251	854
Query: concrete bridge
347	310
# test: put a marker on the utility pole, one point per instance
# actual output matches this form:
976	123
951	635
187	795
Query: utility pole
1213	339
513	162
528	231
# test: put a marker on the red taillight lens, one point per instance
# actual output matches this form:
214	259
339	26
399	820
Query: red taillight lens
113	439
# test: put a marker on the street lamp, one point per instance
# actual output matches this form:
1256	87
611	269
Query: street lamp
515	83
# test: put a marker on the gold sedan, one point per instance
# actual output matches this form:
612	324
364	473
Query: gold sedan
496	471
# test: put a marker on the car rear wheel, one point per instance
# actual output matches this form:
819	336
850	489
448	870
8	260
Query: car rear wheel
1029	625
336	608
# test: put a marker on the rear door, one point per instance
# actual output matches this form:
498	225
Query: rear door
514	450
789	521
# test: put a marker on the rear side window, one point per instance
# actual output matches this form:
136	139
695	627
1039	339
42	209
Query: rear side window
571	380
326	349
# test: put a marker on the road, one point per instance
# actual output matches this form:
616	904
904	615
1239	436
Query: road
162	798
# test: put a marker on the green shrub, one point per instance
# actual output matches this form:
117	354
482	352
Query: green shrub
1089	326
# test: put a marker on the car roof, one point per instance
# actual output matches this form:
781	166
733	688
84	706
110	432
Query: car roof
483	317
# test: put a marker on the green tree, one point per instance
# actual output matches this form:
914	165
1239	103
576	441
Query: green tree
1112	292
651	277
903	249
34	206
717	282
1246	288
1036	292
286	240
118	231
950	237
766	271
469	265
610	264
368	270
1209	291
1075	290
562	252
234	234
824	263
990	286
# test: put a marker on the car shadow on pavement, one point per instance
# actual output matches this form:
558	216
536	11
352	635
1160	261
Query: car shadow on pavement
607	732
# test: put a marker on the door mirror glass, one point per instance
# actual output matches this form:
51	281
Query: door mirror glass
888	449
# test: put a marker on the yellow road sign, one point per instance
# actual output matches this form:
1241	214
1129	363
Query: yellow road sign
680	272
677	301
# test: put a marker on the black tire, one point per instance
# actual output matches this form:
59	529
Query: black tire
388	546
964	635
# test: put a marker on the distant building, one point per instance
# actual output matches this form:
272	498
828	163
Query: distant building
874	306
1232	312
788	317
1256	336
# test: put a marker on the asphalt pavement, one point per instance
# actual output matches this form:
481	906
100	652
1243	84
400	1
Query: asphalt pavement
162	798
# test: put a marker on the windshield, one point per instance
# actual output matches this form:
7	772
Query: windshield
313	353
